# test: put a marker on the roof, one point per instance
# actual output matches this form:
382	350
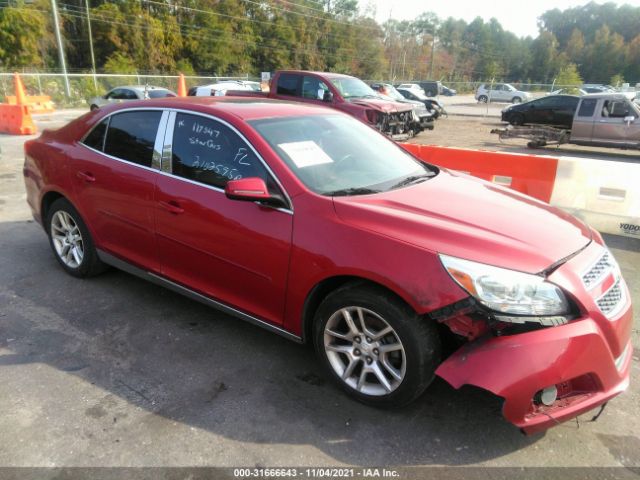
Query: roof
140	87
614	95
323	74
245	108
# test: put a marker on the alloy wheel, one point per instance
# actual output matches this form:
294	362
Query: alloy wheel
364	351
67	239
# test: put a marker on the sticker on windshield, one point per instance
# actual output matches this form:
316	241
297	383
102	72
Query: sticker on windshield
305	154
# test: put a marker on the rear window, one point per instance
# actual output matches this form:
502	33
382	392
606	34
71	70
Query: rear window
288	84
131	136
95	139
587	107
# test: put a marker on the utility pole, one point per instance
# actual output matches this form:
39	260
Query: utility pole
63	65
433	49
93	57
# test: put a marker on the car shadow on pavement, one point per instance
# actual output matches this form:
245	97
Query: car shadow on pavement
178	360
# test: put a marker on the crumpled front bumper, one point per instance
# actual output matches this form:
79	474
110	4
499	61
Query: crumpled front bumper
588	360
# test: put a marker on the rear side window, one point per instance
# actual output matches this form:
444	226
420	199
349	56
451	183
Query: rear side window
587	107
131	136
288	84
160	93
207	151
95	139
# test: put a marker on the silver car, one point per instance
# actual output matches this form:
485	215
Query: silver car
130	92
501	92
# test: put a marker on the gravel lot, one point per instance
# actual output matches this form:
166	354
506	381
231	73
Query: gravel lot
115	371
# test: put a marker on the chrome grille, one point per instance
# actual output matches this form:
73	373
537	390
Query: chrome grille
610	302
597	272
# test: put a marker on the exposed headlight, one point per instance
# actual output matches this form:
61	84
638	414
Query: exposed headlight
507	291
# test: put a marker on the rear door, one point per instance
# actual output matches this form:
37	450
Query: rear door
582	127
233	251
114	184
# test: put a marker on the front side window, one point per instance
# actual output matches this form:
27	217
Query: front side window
313	88
131	136
615	109
209	152
117	94
95	139
339	155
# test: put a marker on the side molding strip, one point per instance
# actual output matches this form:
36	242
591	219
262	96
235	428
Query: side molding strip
163	282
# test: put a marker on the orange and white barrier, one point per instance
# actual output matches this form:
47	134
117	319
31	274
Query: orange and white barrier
16	119
36	103
604	194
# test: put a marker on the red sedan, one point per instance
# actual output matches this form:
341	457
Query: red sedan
309	223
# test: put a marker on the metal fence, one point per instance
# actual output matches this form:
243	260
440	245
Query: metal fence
84	86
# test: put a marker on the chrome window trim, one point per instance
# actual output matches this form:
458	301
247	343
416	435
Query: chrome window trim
167	148
156	159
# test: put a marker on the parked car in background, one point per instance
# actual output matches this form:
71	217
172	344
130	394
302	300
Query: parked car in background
305	221
433	105
221	88
553	110
568	91
130	92
432	88
501	92
597	88
448	92
424	117
410	86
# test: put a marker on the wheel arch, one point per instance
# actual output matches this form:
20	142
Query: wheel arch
328	285
45	204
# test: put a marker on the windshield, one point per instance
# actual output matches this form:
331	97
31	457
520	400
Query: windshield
339	155
393	93
350	87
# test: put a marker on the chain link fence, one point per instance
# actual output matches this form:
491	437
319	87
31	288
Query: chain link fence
84	86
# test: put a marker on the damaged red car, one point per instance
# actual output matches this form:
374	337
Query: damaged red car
309	223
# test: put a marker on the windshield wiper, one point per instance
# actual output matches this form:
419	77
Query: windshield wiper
351	191
413	179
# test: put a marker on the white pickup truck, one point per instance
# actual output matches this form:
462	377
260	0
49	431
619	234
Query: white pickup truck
601	119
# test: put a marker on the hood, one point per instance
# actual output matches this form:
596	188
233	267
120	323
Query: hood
386	106
465	217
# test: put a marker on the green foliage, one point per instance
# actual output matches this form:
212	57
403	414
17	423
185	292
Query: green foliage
617	80
569	76
119	63
21	37
232	37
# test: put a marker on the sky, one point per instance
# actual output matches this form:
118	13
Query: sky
516	16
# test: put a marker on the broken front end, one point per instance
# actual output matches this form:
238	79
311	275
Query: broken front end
547	368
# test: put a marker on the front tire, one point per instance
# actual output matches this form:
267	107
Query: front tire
71	241
516	100
483	99
374	346
517	119
93	107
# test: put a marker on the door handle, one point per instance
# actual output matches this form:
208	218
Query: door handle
172	207
86	176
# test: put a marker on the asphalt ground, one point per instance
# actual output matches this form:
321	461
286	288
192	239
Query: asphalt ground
115	371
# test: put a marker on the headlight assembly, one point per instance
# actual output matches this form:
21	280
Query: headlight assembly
508	292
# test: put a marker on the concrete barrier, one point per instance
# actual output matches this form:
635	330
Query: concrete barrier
604	194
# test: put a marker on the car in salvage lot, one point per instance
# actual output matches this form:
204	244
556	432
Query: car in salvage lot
501	92
307	222
554	110
423	117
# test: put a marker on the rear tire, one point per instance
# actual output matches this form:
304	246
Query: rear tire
374	346
483	99
71	241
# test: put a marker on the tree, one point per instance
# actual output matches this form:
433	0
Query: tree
568	76
22	33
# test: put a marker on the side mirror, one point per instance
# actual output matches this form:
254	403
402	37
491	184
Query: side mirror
252	189
629	119
328	97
